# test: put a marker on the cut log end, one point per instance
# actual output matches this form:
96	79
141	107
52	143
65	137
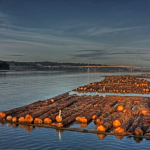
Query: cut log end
101	128
138	131
143	112
81	118
9	118
77	118
47	121
21	119
116	123
52	100
28	119
124	110
119	108
94	117
38	121
58	118
2	115
97	121
147	134
14	119
119	130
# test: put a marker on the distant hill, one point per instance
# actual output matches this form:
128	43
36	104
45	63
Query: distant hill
4	65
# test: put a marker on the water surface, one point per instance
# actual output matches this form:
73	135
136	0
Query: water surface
22	88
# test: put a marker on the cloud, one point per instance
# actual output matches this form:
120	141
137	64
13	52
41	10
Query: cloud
106	54
107	30
16	55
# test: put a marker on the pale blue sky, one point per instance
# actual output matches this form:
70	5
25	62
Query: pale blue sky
114	32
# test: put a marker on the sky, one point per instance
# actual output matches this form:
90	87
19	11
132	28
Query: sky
112	32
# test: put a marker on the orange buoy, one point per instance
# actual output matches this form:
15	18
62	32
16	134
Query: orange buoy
9	118
116	123
119	108
101	128
47	121
21	119
2	115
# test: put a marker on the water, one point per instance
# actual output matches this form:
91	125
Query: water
21	88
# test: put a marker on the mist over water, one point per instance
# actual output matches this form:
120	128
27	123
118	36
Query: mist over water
22	88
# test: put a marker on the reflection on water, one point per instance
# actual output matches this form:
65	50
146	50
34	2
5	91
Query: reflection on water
101	136
138	140
119	137
22	88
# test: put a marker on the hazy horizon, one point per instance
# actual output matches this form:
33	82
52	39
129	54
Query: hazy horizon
101	32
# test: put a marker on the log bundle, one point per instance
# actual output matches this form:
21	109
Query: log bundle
118	84
61	111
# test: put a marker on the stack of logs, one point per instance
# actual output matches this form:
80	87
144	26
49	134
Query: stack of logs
117	84
120	114
132	116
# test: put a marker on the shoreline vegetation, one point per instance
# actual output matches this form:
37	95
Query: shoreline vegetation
55	66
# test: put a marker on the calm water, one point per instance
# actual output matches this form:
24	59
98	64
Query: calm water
21	88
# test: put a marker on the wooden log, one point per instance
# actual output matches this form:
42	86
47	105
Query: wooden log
129	104
51	118
147	133
16	116
142	126
108	122
135	124
23	108
122	118
125	126
72	118
105	114
56	98
32	116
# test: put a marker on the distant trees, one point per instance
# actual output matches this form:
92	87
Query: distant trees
4	65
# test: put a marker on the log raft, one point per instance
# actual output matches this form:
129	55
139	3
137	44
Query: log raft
135	120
